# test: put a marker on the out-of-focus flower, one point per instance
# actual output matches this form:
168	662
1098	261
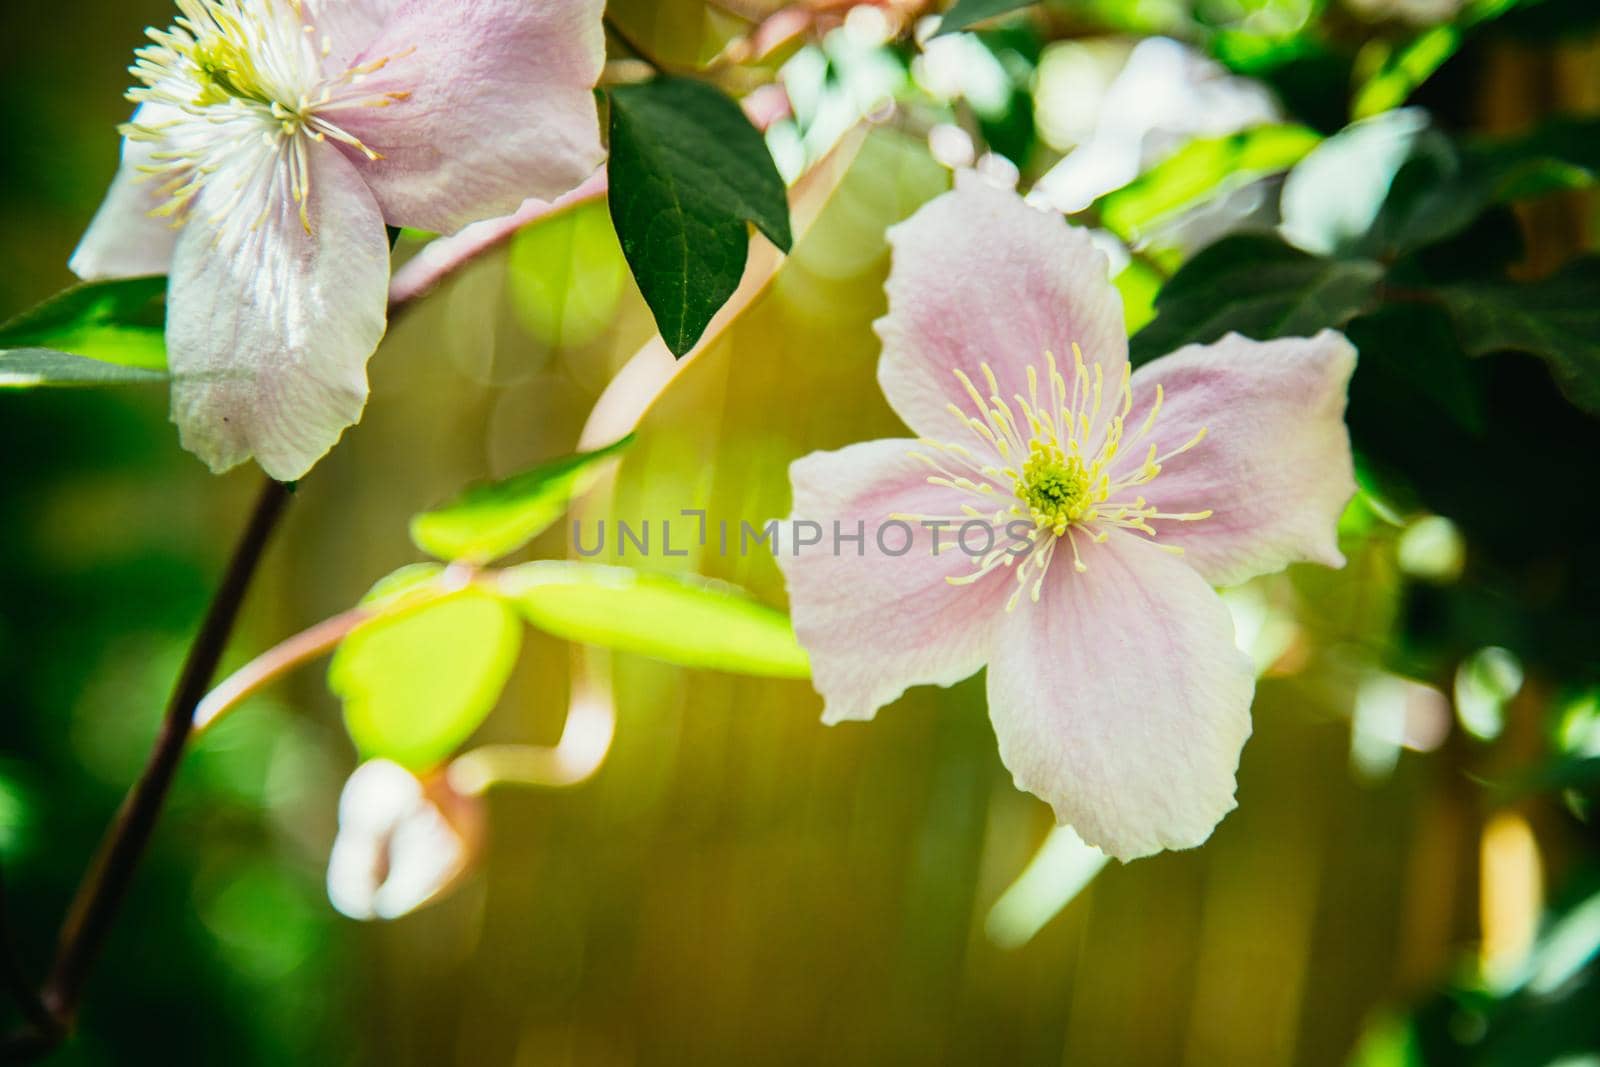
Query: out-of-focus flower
1086	513
401	843
272	142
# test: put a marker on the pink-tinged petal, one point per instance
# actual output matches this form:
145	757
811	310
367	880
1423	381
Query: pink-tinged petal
878	622
269	327
124	241
981	277
1274	467
493	104
1121	699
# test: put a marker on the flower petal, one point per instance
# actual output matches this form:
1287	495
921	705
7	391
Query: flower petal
123	241
878	622
1121	699
269	327
494	105
979	276
1274	468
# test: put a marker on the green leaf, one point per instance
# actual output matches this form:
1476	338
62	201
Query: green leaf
693	622
418	681
99	333
1556	319
1445	187
1257	286
489	521
965	13
1401	70
1200	171
688	172
30	368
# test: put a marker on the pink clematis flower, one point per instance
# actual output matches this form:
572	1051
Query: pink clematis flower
1064	521
272	142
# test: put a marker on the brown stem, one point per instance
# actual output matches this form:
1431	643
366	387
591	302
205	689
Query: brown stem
274	663
100	895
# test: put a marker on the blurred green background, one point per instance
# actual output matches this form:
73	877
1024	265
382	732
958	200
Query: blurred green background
1411	875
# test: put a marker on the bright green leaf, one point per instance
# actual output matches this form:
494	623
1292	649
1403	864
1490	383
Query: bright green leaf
1257	286
413	577
118	321
1556	319
1401	70
99	333
416	683
493	520
693	622
965	13
1202	170
688	172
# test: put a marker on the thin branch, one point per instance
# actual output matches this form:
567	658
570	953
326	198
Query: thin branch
273	664
105	886
22	988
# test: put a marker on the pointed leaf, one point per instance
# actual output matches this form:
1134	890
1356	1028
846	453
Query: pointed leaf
99	333
693	622
489	521
688	173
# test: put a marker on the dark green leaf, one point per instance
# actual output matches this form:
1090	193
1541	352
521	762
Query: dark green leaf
493	520
1257	286
965	13
99	333
418	681
685	620
688	172
1330	200
1557	319
1443	188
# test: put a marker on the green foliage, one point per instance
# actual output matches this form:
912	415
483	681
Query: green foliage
1557	319
1332	197
489	521
688	173
1200	170
99	333
683	620
1258	286
966	13
416	682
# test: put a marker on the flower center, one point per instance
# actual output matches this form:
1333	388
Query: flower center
1064	467
234	92
1054	486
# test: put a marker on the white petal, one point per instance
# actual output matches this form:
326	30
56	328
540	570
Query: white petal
1121	699
269	327
124	241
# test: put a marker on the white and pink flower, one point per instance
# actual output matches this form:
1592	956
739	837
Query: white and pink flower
1117	500
273	141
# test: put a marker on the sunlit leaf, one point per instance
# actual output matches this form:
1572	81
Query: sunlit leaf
1257	286
1401	70
965	13
99	333
1200	171
417	682
688	173
493	520
1556	319
681	619
393	587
